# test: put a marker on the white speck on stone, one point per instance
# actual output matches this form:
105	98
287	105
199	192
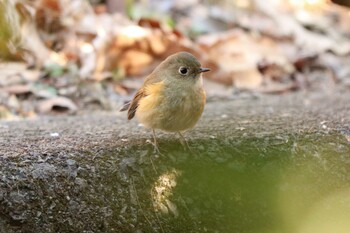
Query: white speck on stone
212	137
224	116
323	124
54	135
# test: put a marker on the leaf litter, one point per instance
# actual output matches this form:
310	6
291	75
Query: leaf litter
75	56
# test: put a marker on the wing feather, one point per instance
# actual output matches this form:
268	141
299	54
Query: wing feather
131	106
135	103
125	107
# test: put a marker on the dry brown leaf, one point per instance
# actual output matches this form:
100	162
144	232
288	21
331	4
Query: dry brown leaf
13	102
272	71
12	73
237	55
17	89
47	15
123	41
338	65
5	113
34	44
156	42
100	9
128	47
134	61
56	104
176	44
148	22
100	76
137	55
247	78
310	41
9	68
120	89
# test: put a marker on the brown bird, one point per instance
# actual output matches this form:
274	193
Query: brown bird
172	97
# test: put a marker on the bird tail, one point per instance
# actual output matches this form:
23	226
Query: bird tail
125	107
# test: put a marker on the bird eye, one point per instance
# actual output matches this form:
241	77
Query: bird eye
183	70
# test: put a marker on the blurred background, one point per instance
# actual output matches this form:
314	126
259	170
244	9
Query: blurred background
75	56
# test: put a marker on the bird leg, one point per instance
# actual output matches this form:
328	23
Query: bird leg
184	142
155	144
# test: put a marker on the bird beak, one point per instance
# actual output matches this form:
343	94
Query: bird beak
201	70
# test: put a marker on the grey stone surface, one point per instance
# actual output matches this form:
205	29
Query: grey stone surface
91	173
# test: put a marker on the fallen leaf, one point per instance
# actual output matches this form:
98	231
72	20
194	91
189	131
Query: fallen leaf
247	78
310	41
5	113
43	91
148	22
17	89
16	73
56	104
238	55
134	61
273	71
70	90
304	61
156	42
13	102
120	89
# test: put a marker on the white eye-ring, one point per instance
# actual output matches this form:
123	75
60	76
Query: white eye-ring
183	70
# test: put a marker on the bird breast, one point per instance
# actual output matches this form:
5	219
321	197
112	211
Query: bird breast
171	108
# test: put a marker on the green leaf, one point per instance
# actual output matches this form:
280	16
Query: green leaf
54	70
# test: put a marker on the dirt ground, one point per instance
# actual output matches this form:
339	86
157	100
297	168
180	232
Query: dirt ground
88	173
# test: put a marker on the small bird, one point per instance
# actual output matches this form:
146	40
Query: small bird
172	97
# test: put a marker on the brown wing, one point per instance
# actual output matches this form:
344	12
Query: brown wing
132	105
135	103
125	107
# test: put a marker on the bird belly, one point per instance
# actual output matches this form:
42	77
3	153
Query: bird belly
172	113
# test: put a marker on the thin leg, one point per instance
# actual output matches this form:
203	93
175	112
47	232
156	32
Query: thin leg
155	144
184	142
154	137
